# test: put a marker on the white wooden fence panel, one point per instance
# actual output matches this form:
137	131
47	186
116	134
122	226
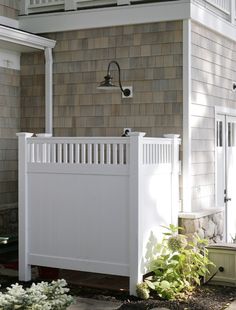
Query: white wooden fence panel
74	225
94	204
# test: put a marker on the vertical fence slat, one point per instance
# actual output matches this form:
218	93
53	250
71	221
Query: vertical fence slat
83	153
71	153
77	153
54	156
108	153
59	153
121	154
65	152
95	154
114	154
48	152
102	154
31	157
90	159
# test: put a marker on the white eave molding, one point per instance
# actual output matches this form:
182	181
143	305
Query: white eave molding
24	39
106	17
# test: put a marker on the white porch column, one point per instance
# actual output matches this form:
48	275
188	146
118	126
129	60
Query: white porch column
48	90
186	115
24	267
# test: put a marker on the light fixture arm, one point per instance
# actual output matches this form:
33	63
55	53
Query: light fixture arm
125	91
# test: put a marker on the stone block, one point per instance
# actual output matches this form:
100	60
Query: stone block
210	231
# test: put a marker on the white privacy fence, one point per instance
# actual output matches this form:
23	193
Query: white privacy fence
95	204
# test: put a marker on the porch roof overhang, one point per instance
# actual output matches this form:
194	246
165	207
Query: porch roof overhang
22	41
13	39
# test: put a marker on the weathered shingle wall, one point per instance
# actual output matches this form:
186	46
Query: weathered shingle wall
9	125
9	8
150	57
213	69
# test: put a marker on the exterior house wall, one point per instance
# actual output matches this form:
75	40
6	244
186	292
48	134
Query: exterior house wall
32	92
213	63
9	125
150	57
9	8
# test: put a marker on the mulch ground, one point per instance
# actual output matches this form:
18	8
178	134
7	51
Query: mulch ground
206	297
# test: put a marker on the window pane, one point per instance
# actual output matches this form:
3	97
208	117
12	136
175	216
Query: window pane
219	132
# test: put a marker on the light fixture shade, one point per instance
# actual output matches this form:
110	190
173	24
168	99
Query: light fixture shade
107	84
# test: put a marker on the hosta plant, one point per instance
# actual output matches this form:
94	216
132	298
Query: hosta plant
178	266
41	296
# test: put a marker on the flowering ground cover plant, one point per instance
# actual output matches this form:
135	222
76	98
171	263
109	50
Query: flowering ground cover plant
178	266
41	296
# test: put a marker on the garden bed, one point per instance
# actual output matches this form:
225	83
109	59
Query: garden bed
206	297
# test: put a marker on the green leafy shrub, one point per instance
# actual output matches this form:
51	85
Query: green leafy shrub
179	265
41	296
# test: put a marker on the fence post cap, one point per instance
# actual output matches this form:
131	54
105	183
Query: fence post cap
136	133
43	135
24	134
171	136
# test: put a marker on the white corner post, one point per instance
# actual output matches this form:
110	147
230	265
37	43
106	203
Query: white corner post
24	267
135	250
175	180
48	90
186	174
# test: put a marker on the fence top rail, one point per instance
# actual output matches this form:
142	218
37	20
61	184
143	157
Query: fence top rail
161	140
98	140
123	140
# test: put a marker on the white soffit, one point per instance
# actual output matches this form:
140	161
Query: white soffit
21	41
106	17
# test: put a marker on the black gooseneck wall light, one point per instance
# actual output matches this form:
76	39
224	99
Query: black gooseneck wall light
107	84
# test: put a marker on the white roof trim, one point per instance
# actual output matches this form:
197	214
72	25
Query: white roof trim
25	39
127	15
10	22
106	17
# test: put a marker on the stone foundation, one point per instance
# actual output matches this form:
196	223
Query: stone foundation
9	220
208	224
